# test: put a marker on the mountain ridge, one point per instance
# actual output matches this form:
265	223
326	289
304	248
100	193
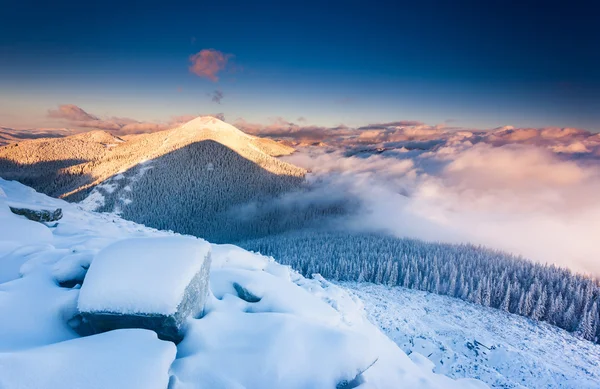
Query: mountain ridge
101	155
211	166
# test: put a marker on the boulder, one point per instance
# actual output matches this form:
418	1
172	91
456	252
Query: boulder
38	215
151	283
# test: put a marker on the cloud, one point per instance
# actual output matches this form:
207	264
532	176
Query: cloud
77	117
279	127
208	63
70	112
521	197
384	126
216	96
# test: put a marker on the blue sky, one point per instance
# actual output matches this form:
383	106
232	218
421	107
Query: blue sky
480	64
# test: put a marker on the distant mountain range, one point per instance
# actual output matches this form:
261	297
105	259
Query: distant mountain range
186	179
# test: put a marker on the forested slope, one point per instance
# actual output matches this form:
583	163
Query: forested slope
472	273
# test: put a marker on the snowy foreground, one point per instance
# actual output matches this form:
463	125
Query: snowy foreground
297	333
467	340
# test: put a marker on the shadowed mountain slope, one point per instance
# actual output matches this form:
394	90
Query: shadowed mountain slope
194	190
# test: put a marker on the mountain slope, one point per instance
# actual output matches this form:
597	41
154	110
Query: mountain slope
481	276
185	179
302	333
466	340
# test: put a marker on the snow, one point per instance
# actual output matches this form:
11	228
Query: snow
281	342
123	359
301	333
459	339
96	199
145	275
34	313
19	229
93	201
73	266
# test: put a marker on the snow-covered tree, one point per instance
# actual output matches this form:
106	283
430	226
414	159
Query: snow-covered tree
482	276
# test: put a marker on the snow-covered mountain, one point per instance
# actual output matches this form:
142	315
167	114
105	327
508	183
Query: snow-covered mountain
301	333
186	179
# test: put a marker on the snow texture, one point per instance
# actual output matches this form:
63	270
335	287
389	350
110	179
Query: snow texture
459	339
301	333
123	359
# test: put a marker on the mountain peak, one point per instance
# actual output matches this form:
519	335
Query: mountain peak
203	120
212	124
98	136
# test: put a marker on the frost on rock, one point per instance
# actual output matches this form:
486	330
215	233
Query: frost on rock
132	359
147	283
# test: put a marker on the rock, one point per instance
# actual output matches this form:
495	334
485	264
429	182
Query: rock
245	294
151	283
38	215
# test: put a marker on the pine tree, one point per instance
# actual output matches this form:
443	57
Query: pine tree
528	303
393	279
540	307
486	294
585	328
505	305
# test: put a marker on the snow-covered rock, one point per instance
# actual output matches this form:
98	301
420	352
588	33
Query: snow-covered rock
281	331
152	283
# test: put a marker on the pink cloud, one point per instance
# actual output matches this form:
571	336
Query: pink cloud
281	128
140	128
78	117
208	63
99	124
70	112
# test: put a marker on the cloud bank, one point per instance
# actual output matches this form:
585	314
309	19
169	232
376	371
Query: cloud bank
532	192
279	127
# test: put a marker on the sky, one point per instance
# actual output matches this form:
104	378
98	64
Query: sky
464	63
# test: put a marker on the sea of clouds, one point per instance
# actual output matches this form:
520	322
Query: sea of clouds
532	192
